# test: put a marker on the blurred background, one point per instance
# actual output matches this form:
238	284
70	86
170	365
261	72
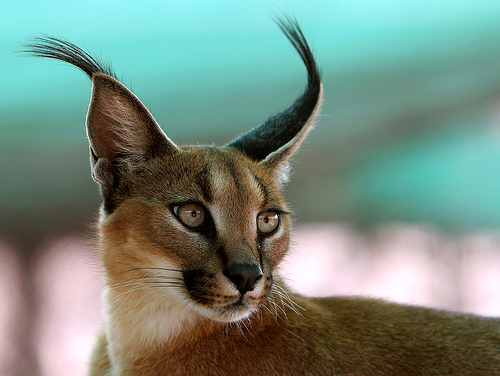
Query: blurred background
396	192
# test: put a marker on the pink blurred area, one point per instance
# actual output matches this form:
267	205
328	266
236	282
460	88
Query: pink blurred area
402	263
407	264
70	284
10	300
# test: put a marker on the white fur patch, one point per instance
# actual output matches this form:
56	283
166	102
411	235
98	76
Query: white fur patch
146	314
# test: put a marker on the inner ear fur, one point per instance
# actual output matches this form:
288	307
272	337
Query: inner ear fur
122	133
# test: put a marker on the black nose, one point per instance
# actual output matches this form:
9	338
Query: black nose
244	276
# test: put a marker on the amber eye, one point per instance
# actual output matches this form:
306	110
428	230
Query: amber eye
192	215
268	222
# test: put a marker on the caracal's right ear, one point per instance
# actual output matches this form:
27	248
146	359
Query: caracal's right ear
275	141
123	135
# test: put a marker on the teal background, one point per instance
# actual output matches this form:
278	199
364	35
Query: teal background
409	132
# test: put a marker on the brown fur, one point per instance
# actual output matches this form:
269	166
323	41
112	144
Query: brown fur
175	301
284	336
333	336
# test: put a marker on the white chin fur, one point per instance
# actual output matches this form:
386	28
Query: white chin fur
223	314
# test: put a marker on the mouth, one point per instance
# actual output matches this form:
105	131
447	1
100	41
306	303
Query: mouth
229	311
219	301
233	312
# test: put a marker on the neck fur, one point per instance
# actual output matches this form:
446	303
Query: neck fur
131	326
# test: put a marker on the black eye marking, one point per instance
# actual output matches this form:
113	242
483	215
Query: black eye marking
203	182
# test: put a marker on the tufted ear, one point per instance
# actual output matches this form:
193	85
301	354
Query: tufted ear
122	133
273	142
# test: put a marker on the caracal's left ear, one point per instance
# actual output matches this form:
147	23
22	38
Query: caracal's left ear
123	135
278	138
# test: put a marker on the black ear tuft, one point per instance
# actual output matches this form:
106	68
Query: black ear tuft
60	49
281	128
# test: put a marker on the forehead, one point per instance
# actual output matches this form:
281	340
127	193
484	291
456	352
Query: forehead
211	173
227	173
